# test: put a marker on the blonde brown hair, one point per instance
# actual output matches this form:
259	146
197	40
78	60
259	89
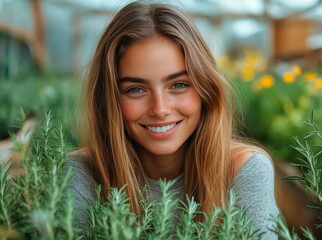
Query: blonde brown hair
209	166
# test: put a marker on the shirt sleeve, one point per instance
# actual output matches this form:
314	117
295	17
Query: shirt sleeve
82	187
254	189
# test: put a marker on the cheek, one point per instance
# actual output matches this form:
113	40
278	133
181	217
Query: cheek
131	111
191	106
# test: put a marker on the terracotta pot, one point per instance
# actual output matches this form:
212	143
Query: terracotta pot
7	152
293	201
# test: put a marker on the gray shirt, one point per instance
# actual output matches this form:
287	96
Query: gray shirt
253	186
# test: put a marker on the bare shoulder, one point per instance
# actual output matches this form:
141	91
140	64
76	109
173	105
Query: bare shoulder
79	155
240	158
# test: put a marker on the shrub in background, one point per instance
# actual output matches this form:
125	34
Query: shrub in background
36	95
274	110
273	99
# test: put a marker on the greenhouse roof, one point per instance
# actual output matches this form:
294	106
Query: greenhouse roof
216	8
68	29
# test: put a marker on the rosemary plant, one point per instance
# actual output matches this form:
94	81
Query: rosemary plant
112	219
37	205
235	224
310	166
187	227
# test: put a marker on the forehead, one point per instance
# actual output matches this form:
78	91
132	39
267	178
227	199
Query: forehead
155	54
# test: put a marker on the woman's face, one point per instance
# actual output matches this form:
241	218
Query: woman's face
160	106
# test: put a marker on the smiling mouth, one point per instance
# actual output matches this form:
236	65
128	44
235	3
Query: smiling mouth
161	129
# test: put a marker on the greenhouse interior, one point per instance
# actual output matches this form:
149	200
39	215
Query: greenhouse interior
270	50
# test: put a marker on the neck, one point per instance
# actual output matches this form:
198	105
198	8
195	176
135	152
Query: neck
162	166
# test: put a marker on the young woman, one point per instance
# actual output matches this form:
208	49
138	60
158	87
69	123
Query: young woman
156	106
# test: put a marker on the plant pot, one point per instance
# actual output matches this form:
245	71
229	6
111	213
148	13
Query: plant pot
9	155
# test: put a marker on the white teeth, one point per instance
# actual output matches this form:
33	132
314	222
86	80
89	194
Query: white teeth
161	129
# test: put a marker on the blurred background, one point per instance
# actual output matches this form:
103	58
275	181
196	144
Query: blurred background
270	49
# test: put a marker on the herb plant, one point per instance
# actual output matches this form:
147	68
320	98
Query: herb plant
310	165
37	205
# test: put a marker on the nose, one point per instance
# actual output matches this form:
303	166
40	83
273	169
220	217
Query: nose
160	105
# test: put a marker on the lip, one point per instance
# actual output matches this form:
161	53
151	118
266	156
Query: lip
162	135
161	124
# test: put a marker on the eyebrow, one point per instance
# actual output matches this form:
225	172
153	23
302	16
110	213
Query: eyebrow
142	80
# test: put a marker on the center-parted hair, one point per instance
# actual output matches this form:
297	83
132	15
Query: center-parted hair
208	167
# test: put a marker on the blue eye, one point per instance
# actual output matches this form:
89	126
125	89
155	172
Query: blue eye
179	85
134	90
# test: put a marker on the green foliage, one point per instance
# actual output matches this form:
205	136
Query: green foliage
187	227
235	224
274	114
311	176
310	163
285	234
35	96
112	219
37	205
164	213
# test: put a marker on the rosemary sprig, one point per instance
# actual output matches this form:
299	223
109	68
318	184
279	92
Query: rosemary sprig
310	177
36	205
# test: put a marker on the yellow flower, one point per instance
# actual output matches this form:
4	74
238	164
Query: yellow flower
318	83
247	74
288	77
297	70
267	81
251	59
256	86
309	76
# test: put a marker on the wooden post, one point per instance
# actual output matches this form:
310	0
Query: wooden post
39	33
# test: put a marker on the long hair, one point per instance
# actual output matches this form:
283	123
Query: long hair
209	165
